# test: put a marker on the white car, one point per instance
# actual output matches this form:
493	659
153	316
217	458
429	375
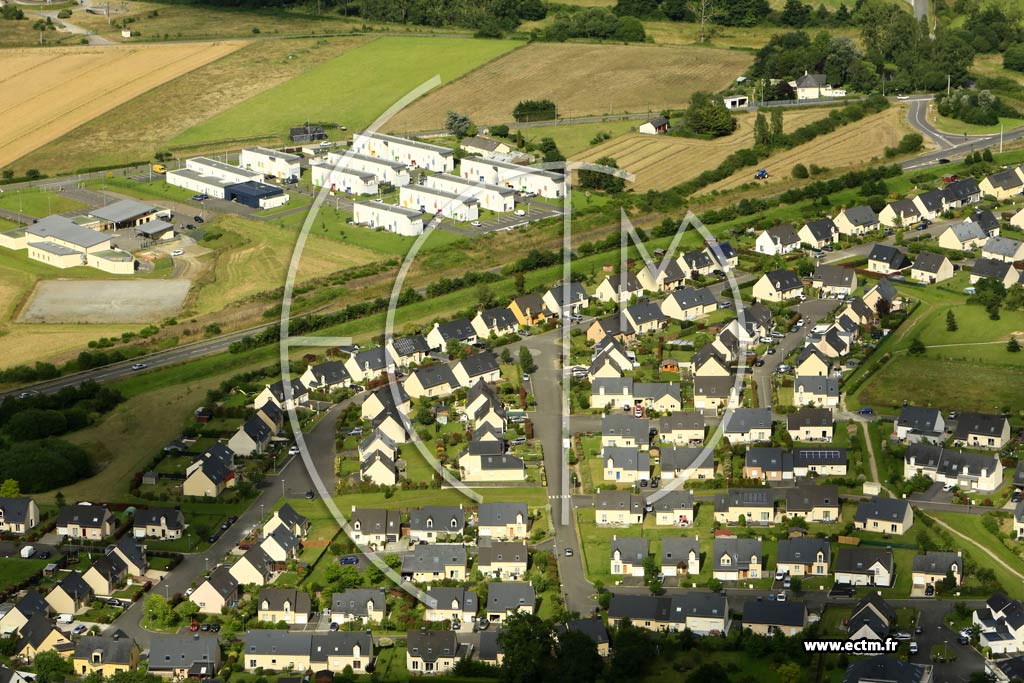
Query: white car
780	575
476	224
947	488
903	97
178	252
781	597
294	450
519	212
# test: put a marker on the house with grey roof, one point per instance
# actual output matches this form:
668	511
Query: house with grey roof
777	286
626	464
495	322
736	559
981	430
865	566
158	522
823	461
817	392
778	240
933	566
451	603
1004	249
969	471
435	523
288	605
505	598
817	233
888	669
181	655
431	381
931	268
756	506
18	515
680	556
673	508
358	604
504	521
884	516
107	654
435	562
900	213
966	236
477	367
856	220
687	463
768	464
375	527
768	617
818	503
628	555
804	556
429	651
617	508
886	259
810	424
748	425
834	280
703	612
990	269
916	423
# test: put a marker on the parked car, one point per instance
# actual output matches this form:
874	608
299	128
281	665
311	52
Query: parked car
526	378
294	450
309	494
79	630
902	635
523	333
759	362
780	575
355	431
913	648
178	252
1014	498
519	212
198	219
476	224
348	559
568	552
138	366
866	411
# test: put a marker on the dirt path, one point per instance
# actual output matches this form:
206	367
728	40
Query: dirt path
871	457
983	549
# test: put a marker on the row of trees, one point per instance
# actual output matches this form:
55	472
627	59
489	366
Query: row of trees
981	107
595	23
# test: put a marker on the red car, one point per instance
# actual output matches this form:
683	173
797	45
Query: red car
194	627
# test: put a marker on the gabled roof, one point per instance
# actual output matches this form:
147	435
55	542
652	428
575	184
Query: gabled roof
411	345
738	550
459	329
1002	246
629	458
834	276
132	550
533	302
929	262
809	80
35	631
592	628
85	516
568	295
445	596
990	268
498	318
115	649
354	601
934	201
809	417
675	549
918	418
985	219
860	215
784	280
223	582
688	297
479	364
860	559
697	259
951	463
888	509
503	551
632	284
809	351
277	598
508	596
631	549
436	375
816	385
681	421
671	501
686	458
430	645
15	510
376	520
713	386
289	516
618	500
966	231
372	359
501	461
774	613
434	558
884	668
645	312
823	229
744	498
769	459
876	603
448	518
938	562
979	423
824	455
964	189
742	420
783	234
75	586
805	498
669	272
905	208
167	652
891	256
1005	180
626	426
803	550
499	514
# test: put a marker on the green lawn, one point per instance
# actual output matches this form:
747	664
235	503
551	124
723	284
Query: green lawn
971	526
157	189
352	89
576	137
38	203
953	126
14	570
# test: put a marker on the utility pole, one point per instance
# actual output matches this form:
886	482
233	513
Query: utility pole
1000	137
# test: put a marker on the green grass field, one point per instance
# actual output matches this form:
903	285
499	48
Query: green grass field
576	137
38	203
14	570
954	126
352	89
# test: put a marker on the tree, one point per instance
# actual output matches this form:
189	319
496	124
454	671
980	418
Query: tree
795	13
708	115
10	489
790	672
424	415
800	171
598	180
705	12
634	653
484	295
1013	346
527	644
986	155
520	284
535	110
59	499
459	124
1013	58
341	578
526	362
777	136
51	667
951	325
917	347
158	611
762	137
577	658
506	356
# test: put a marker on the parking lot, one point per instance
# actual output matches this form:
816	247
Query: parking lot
104	301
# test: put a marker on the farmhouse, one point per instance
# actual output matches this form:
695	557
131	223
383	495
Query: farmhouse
659	124
818	233
767	617
1000	271
519	178
778	285
347	180
804	556
970	471
814	87
386	170
484	146
856	221
865	566
628	556
981	430
492	197
680	556
618	508
886	260
736	559
271	163
439	202
674	508
834	280
966	236
396	219
1003	249
900	213
931	268
884	515
776	241
411	152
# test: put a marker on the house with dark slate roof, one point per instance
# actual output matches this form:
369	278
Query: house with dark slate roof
865	566
887	260
768	617
804	556
856	220
884	516
778	285
981	430
931	268
916	423
969	471
817	233
459	330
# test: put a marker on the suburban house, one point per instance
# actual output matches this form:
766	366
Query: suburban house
818	233
681	429
495	322
814	87
286	394
628	555
85	521
70	594
811	362
436	523
1003	249
661	278
592	628
864	566
965	190
768	617
1004	184
887	260
529	309
856	221
900	213
969	471
933	203
810	424
834	281
933	566
748	425
412	152
931	268
767	464
503	521
351	180
680	556
254	435
254	567
626	463
364	605
687	463
884	515
1001	271
276	650
674	508
286	516
217	591
379	469
777	241
39	635
459	330
106	654
624	431
736	559
431	381
871	618
158	523
435	562
210	473
966	236
23	610
484	146
375	527
618	508
703	612
184	655
778	285
818	503
821	392
982	430
287	605
504	560
757	506
1001	622
367	364
405	351
506	598
477	367
689	304
18	515
431	651
619	288
566	299
715	393
455	604
281	545
645	317
804	556
920	424
487	461
659	124
821	462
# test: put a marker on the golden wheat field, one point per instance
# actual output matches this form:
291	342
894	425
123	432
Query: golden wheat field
660	161
49	92
580	79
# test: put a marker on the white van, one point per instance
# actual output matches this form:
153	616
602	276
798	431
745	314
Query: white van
65	618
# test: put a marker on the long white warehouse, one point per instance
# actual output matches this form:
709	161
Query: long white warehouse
387	171
431	200
397	219
520	178
492	197
418	154
347	180
271	163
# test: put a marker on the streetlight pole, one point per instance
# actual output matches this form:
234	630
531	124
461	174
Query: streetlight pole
207	561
